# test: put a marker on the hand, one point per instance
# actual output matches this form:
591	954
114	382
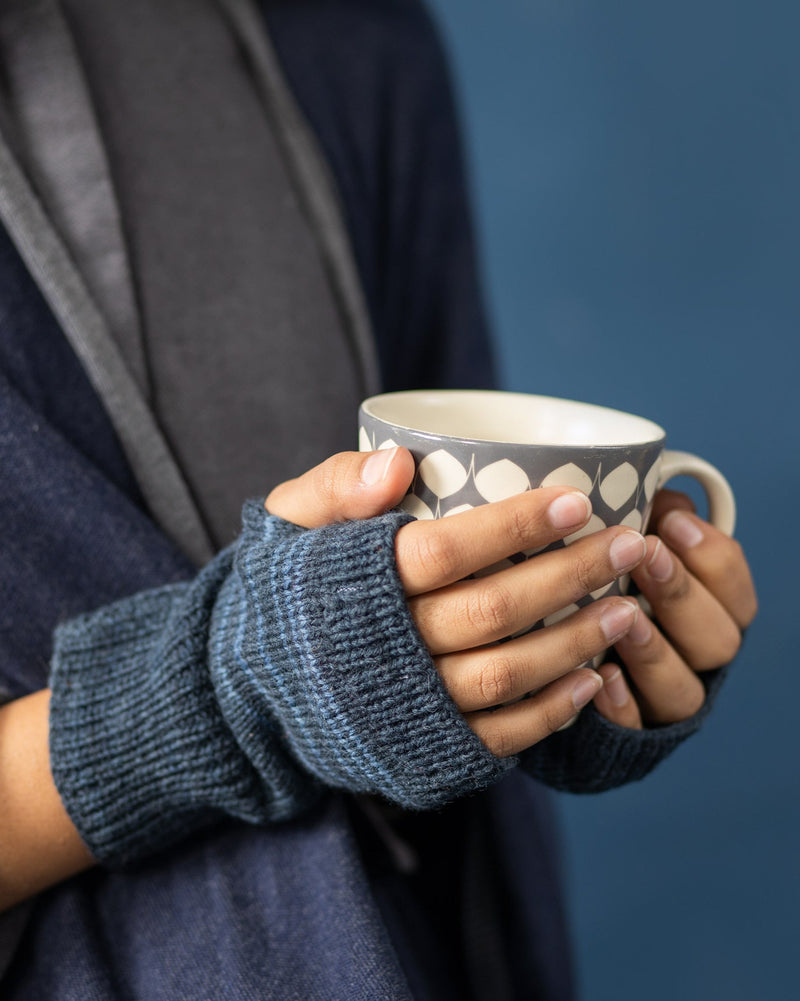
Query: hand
461	620
699	586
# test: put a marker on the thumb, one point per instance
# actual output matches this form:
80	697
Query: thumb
348	486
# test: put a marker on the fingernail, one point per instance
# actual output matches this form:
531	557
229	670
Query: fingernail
660	566
617	619
626	551
641	631
569	511
586	689
679	528
616	689
377	466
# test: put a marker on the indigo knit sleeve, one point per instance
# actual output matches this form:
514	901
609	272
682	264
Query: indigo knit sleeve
594	755
291	663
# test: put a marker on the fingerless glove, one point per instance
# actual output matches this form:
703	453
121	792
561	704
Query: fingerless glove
595	755
288	665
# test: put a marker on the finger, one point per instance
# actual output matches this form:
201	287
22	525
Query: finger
348	486
669	500
513	728
472	613
697	624
667	689
486	677
615	700
432	554
715	559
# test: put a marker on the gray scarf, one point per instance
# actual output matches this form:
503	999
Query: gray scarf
173	163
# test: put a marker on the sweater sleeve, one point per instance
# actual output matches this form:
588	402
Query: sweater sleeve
594	755
290	664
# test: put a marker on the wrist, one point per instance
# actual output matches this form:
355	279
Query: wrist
336	657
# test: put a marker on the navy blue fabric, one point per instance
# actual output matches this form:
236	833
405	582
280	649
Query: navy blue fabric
74	532
71	539
280	914
242	912
40	365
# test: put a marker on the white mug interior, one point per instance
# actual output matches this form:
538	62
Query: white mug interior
513	418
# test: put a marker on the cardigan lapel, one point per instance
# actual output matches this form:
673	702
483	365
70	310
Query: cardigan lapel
61	149
63	287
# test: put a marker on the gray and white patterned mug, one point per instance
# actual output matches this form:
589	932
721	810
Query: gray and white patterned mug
476	446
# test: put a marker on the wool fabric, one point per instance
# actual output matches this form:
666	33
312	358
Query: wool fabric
290	662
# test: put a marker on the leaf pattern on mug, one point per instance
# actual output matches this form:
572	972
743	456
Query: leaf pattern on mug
633	519
389	443
619	486
501	479
651	480
364	440
442	473
416	508
458	510
594	524
569	475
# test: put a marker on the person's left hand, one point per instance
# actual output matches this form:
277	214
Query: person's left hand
695	578
698	584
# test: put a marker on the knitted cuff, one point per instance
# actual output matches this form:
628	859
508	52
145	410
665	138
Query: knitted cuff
594	755
290	660
329	648
139	749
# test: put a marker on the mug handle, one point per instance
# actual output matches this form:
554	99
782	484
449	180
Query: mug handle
721	503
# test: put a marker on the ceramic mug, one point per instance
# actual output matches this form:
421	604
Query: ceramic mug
476	446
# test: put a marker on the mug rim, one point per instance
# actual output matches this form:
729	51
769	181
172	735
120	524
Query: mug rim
651	433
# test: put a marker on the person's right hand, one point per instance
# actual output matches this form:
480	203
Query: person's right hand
462	621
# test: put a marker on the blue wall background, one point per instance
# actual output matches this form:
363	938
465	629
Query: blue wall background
636	170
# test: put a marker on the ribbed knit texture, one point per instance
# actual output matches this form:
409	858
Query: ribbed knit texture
140	751
595	755
291	658
326	644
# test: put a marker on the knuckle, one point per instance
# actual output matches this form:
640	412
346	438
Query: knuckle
331	478
692	699
520	527
736	552
695	703
731	559
687	700
501	742
750	609
729	646
734	644
555	716
580	645
652	653
726	645
433	552
496	681
731	577
678	589
583	573
489	609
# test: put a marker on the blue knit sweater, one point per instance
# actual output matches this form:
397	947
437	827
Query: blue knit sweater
291	662
258	716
